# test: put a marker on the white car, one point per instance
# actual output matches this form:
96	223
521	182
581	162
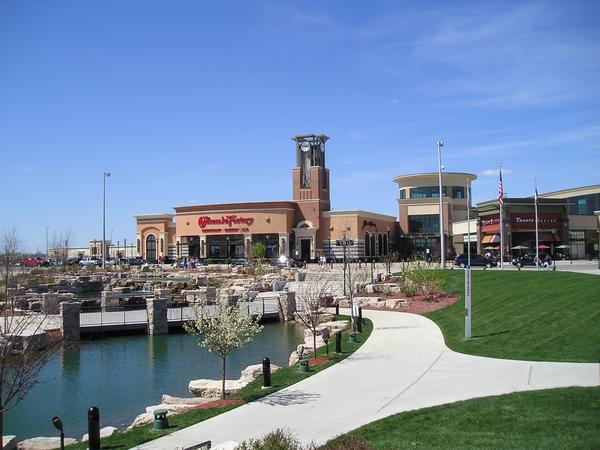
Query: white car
89	262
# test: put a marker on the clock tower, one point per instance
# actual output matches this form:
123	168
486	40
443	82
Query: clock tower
311	193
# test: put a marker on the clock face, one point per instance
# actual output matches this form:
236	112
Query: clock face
305	146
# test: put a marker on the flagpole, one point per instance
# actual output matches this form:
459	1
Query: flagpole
537	232
501	204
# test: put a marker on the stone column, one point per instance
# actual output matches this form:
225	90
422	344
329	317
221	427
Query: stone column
70	327
203	247
50	303
247	245
157	316
287	306
109	298
164	294
284	244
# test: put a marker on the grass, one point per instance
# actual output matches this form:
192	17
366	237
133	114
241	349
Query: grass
554	418
280	379
546	316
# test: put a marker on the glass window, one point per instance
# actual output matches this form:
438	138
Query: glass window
403	194
426	224
584	205
151	247
458	192
427	192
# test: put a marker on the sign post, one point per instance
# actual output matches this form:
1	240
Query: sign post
468	290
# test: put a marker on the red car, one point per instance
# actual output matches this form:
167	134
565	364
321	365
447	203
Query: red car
35	262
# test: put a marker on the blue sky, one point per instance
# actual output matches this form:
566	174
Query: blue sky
195	102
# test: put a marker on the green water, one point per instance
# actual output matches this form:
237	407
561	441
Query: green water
123	375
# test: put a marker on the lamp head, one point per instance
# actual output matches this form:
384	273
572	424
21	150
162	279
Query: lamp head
57	423
107	174
440	143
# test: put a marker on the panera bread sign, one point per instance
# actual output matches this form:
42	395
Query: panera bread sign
521	221
225	224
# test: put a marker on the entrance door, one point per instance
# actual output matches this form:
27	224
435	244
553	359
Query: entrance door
305	249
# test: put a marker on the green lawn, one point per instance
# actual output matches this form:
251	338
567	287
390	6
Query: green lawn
555	418
280	379
539	316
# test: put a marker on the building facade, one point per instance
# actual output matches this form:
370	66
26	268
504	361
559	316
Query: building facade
419	209
303	228
583	224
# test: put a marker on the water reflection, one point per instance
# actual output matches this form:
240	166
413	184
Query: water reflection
124	375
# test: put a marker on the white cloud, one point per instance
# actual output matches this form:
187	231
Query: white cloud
495	172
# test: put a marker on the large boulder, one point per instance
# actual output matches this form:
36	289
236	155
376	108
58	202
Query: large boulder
10	442
212	388
104	433
43	443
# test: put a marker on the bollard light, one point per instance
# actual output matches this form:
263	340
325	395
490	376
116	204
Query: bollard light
266	372
59	426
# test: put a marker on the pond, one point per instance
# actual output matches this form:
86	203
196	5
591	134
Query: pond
125	374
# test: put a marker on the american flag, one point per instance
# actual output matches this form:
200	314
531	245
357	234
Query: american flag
500	190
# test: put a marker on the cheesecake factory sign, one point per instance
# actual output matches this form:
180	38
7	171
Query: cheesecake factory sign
225	224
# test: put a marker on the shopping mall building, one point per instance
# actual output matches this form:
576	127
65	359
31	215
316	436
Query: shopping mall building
303	228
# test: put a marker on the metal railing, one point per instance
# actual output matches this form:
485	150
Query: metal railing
138	314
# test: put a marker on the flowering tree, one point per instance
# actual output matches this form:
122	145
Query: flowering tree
222	329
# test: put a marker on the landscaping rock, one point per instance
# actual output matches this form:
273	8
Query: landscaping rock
104	433
10	442
212	388
43	443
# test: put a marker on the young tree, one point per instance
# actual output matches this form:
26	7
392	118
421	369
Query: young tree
21	359
223	330
310	304
259	251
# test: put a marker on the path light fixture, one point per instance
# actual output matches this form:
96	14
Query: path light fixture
59	426
440	144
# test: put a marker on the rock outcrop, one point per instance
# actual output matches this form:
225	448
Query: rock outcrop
212	388
43	443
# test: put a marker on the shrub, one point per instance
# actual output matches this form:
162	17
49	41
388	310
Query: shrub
347	443
276	440
422	281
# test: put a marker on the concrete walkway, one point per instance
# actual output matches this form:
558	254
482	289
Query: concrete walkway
404	365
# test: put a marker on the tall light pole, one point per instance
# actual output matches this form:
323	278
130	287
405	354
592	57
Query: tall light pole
125	247
47	241
104	176
440	144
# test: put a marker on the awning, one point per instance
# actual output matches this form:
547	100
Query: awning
491	239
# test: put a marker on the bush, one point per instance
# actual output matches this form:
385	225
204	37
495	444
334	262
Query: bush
347	443
276	440
422	281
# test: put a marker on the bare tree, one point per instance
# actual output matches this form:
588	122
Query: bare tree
60	246
9	248
310	303
353	273
25	346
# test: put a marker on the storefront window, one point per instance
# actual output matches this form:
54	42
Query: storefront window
403	194
458	192
427	192
425	224
584	205
577	244
151	247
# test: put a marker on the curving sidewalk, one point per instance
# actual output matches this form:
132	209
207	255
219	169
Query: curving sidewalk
405	365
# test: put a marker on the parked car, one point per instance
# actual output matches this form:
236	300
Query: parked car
135	262
238	262
529	259
476	260
35	262
90	262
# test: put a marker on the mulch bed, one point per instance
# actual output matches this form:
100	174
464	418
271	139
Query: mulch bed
318	361
220	403
418	304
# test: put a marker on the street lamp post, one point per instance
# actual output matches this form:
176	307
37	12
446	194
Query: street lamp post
47	241
104	176
440	144
125	247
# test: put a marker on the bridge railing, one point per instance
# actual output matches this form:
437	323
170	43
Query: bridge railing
137	314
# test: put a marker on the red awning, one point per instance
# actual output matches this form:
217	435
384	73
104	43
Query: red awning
491	239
